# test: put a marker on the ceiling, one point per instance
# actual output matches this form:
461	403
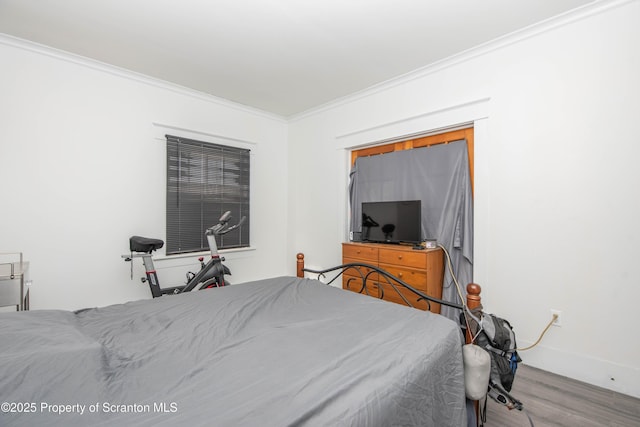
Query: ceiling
280	56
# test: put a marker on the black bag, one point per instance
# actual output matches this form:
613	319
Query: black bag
498	339
496	336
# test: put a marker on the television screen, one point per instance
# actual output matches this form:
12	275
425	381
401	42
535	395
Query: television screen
392	222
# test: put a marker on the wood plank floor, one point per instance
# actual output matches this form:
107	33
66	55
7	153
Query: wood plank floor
553	400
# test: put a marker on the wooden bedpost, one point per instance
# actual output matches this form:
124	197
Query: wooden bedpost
300	265
473	302
473	295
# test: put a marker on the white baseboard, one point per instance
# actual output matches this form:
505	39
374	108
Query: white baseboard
623	379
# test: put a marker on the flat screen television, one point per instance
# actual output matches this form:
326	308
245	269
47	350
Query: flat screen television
392	222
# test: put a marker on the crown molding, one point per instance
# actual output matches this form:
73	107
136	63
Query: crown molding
595	8
591	9
83	61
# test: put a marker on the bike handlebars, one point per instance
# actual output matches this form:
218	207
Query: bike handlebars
225	217
221	227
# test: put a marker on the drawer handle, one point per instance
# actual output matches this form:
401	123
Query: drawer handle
399	256
399	274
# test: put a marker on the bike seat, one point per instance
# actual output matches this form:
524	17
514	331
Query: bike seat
144	244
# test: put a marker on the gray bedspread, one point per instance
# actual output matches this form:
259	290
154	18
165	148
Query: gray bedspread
276	352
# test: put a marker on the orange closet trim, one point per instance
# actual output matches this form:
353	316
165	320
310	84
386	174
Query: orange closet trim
425	141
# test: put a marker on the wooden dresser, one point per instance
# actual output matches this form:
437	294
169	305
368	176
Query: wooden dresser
423	269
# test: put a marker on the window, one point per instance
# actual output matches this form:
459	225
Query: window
204	180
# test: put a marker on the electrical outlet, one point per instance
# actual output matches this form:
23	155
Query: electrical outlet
558	321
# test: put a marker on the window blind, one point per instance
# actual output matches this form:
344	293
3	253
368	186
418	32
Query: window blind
204	180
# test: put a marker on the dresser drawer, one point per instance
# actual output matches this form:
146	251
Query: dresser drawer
407	258
354	284
359	271
415	278
361	253
390	294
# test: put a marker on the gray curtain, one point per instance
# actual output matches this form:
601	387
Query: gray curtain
439	177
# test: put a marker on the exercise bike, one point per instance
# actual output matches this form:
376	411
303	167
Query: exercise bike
211	274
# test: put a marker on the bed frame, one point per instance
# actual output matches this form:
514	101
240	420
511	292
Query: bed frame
366	272
370	273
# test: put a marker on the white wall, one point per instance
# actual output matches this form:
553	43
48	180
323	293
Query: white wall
82	168
556	197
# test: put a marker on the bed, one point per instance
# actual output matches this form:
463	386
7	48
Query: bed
285	351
